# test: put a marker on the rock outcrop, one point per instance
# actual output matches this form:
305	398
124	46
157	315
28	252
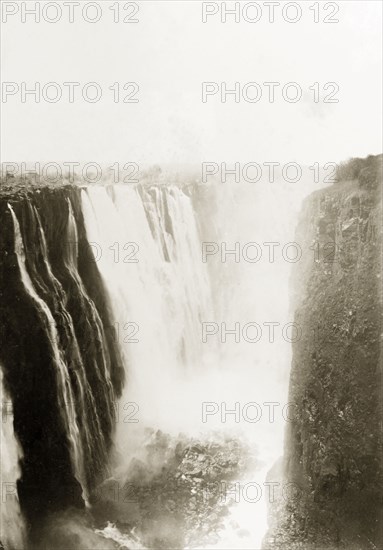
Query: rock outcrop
55	325
333	446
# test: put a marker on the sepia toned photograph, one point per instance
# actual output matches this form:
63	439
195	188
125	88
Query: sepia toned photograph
191	275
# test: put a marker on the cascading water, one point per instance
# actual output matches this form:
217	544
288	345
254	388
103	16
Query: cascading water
254	368
12	527
138	303
60	367
64	391
149	257
148	248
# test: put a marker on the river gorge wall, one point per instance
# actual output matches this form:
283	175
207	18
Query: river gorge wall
61	368
64	368
333	444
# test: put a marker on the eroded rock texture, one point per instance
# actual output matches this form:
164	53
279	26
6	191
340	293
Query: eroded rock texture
333	447
61	365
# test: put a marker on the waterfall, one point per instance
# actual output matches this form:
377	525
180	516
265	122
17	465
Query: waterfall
119	290
148	252
60	364
12	529
65	394
147	246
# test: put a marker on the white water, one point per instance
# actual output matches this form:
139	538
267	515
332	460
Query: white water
71	261
164	300
65	393
12	527
147	244
111	532
169	291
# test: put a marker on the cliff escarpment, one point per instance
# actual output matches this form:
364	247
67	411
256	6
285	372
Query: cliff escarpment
61	366
333	445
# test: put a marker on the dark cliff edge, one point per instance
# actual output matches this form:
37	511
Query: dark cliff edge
65	277
332	461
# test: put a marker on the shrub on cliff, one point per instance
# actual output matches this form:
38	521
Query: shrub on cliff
368	178
367	171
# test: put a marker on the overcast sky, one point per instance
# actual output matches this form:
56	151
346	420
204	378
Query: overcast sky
169	53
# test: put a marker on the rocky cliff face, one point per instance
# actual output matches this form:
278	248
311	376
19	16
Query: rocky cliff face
333	446
62	369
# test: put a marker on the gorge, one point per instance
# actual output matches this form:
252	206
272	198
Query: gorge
104	370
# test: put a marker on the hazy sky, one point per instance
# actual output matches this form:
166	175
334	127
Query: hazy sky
169	53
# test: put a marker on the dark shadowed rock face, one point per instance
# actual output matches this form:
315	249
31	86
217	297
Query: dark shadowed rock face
333	447
65	277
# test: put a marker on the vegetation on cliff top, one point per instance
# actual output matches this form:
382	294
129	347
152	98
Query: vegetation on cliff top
367	171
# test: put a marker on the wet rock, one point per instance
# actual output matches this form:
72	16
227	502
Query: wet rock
333	443
183	498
